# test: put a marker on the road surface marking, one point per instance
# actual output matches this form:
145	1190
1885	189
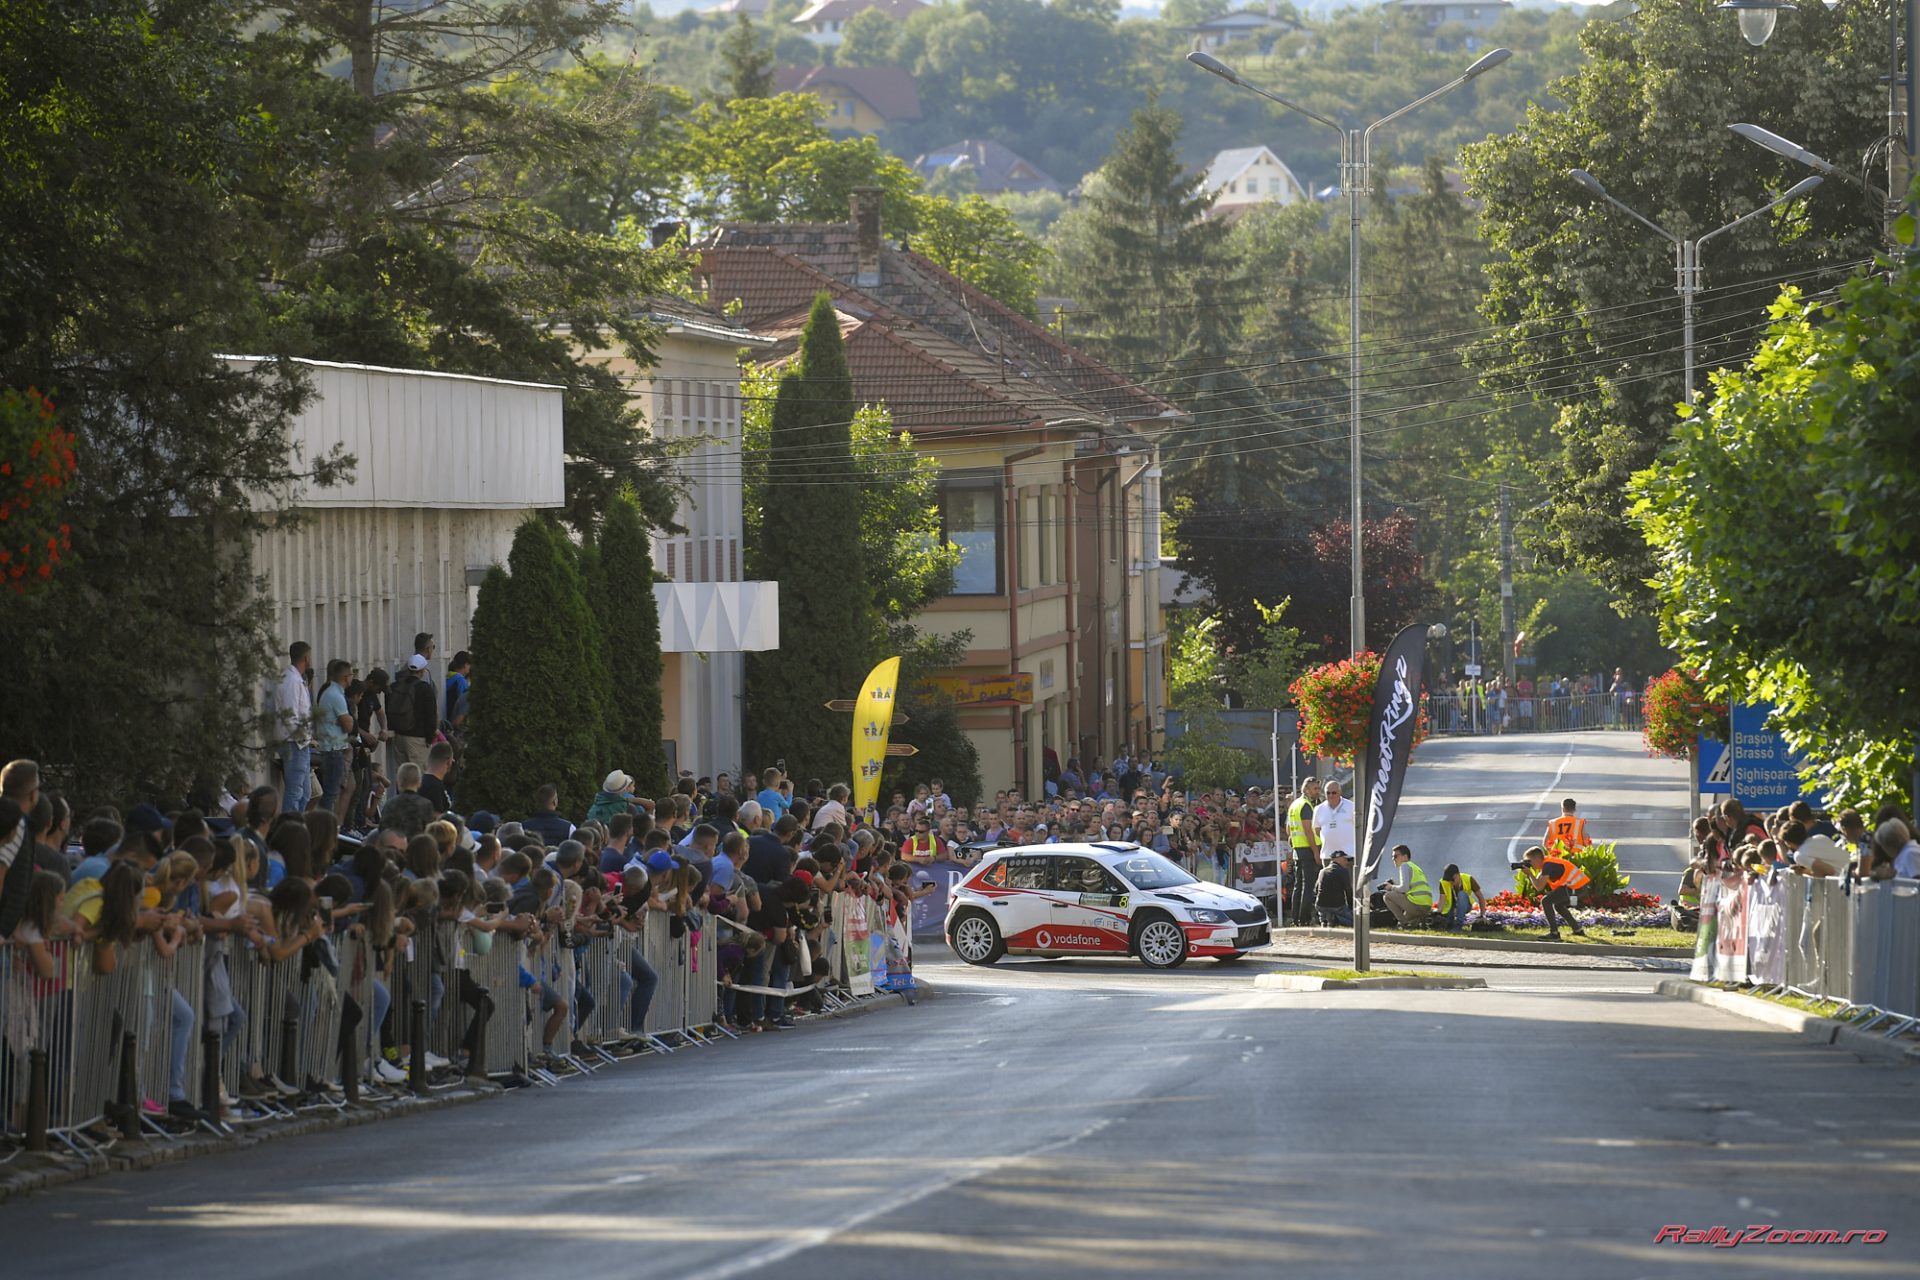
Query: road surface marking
1494	816
1540	800
963	1170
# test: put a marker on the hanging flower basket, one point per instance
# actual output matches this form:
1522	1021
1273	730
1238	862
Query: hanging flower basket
1335	701
1677	712
36	466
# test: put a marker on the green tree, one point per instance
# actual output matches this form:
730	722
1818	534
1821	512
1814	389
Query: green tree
417	242
982	244
630	629
143	185
748	62
1646	114
771	160
1138	243
1784	521
809	541
867	40
540	684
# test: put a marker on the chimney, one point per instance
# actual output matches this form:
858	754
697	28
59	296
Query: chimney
866	235
663	234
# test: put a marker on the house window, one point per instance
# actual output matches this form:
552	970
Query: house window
970	520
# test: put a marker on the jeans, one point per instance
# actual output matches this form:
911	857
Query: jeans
781	975
297	778
1337	915
333	772
1457	912
757	971
637	984
1307	865
182	1019
382	1001
1558	901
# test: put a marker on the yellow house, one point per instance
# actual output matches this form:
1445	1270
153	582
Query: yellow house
1048	465
856	99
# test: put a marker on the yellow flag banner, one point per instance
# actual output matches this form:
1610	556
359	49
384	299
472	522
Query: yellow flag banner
872	721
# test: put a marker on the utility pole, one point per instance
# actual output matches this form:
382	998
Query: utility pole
1506	588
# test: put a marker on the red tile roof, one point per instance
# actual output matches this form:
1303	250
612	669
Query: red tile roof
941	354
888	90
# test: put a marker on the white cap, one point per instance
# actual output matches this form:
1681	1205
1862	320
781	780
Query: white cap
417	663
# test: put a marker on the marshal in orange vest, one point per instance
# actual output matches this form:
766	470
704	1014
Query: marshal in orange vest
1567	832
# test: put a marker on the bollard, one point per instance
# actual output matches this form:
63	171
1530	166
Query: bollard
417	1037
38	1084
210	1076
126	1106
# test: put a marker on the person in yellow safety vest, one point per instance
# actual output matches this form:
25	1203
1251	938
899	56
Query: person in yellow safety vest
1568	832
1557	878
923	845
1304	844
1684	911
1457	889
1408	895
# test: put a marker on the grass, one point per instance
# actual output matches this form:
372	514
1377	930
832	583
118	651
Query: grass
1819	1008
1596	936
1348	975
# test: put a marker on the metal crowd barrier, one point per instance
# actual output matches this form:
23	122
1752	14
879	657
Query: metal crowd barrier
1854	943
106	1042
1454	713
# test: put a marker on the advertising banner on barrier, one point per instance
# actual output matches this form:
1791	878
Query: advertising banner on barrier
877	943
1766	921
1706	938
857	945
1256	868
930	912
1730	946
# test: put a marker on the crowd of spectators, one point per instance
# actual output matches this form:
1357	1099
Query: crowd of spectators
1730	842
1471	704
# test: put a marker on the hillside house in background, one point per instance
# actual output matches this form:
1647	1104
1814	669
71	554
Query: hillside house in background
1477	16
1050	481
824	22
755	9
857	99
994	167
1243	177
1260	26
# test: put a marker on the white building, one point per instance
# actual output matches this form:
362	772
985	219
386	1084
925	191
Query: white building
1261	25
824	22
1475	15
446	468
1246	176
710	618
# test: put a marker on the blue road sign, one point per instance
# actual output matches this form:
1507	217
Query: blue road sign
1766	774
1715	775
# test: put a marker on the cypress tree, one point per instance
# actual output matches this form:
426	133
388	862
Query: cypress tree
809	542
630	630
534	716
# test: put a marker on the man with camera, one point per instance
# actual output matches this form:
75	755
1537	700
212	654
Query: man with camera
1557	877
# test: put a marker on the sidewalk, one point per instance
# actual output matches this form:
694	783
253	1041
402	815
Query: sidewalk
1337	944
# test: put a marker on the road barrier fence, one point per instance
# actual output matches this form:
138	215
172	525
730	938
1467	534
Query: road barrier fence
99	1044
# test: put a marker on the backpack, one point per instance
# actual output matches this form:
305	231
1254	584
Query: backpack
402	701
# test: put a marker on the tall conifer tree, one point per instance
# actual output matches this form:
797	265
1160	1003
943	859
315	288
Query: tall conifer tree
630	629
809	542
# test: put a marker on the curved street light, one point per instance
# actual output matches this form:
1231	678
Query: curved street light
1757	17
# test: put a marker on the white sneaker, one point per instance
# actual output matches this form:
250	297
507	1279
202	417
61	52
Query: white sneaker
281	1087
435	1062
386	1073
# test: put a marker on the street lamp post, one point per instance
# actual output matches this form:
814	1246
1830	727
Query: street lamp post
1686	253
1356	175
1891	205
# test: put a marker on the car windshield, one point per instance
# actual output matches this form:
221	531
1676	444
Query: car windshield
1151	871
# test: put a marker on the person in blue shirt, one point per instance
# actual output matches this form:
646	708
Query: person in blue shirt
773	800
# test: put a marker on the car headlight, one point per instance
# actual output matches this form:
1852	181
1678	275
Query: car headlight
1202	915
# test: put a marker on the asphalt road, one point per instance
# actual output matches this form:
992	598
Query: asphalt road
1084	1119
1481	801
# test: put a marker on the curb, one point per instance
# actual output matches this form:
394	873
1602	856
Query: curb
1295	982
30	1173
1467	942
1863	1044
1477	962
53	1171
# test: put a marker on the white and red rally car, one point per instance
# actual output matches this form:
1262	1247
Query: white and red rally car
1097	899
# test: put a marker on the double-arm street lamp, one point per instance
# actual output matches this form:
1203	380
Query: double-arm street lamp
1891	202
1356	176
1686	253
